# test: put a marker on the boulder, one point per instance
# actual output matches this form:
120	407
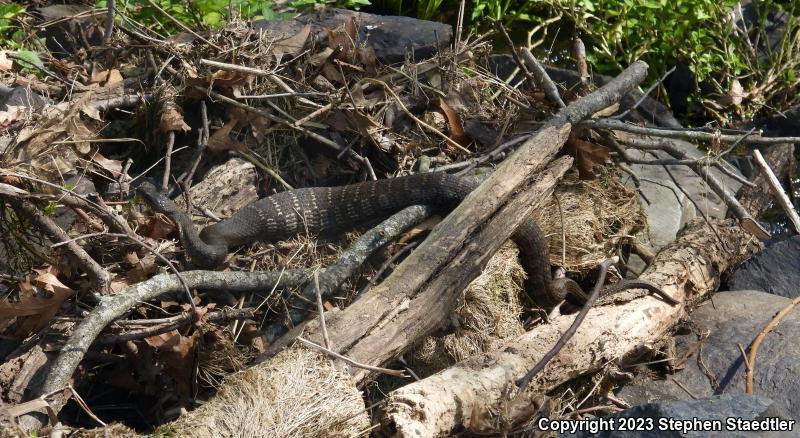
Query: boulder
732	318
716	416
776	270
392	38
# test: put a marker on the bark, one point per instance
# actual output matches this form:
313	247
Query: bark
468	393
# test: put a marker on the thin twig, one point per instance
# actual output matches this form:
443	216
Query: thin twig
168	161
641	99
396	373
547	84
413	117
321	311
777	190
684	134
155	252
112	11
183	26
751	357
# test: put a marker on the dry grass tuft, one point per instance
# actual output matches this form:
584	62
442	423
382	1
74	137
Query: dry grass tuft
297	394
598	215
487	315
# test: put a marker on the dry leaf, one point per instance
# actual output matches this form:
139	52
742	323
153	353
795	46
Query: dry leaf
369	60
177	353
39	309
114	167
142	270
293	45
171	119
320	57
454	122
221	141
346	39
12	114
106	77
586	155
5	63
231	82
9	190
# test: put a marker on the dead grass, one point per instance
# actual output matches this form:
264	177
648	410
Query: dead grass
299	393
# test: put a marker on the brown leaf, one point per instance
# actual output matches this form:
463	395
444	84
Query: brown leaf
114	167
454	122
5	63
143	269
332	73
171	119
9	190
293	45
221	141
178	355
346	39
230	82
586	155
40	309
369	60
12	114
106	77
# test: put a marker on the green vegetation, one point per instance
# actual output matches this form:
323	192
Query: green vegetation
209	14
738	70
9	31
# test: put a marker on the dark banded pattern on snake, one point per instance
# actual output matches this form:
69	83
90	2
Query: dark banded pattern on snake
329	210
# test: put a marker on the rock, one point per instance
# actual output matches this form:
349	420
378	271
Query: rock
680	418
72	28
669	208
733	318
23	97
785	124
776	270
391	37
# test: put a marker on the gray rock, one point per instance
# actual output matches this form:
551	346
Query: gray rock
22	96
669	208
776	270
733	318
677	418
392	38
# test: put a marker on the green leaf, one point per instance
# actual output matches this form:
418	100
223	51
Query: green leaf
30	57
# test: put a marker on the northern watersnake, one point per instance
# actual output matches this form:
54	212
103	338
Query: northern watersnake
327	210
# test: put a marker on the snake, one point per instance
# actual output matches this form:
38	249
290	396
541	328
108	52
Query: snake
332	210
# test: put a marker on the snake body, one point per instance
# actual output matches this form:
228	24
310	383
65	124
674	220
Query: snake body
329	210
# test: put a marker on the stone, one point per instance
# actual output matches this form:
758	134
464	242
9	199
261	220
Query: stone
22	97
732	318
677	418
776	270
392	38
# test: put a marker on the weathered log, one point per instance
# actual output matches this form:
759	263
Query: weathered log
421	293
469	393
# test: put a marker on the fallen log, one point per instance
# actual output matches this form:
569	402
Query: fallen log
421	293
471	393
